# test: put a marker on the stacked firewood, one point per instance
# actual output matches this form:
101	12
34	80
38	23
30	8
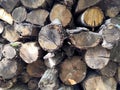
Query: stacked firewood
59	44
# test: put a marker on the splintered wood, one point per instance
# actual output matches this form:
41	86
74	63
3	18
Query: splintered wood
59	44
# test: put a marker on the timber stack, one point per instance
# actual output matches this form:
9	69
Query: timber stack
59	44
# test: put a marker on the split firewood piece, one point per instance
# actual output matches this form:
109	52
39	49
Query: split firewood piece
83	4
97	57
110	33
1	27
53	60
33	84
109	70
10	34
51	37
62	13
49	80
8	51
8	5
72	71
65	87
37	16
85	39
96	82
36	69
29	52
87	17
112	11
25	29
8	68
37	3
114	53
19	14
25	77
6	16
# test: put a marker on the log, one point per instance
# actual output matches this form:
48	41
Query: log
83	4
109	70
33	84
53	60
51	37
62	13
25	77
8	68
37	16
19	14
10	34
5	16
37	3
8	51
29	52
85	39
86	17
118	75
9	5
96	82
72	71
1	27
25	29
36	69
97	57
19	87
49	80
6	85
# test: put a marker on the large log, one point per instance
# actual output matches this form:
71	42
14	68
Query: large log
62	13
37	16
72	71
19	14
85	39
97	57
96	82
49	80
29	52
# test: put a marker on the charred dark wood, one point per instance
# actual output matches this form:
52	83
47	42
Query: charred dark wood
72	71
19	14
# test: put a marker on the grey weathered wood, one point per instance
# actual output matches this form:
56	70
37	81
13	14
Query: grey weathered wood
96	82
85	39
37	17
72	71
8	51
49	80
1	27
1	47
29	52
9	4
8	68
19	14
112	11
97	57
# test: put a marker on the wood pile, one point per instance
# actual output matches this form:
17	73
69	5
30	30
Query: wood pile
59	44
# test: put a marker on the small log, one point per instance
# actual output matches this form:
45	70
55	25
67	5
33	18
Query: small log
112	11
72	71
36	69
25	29
86	17
97	57
85	40
25	77
10	34
6	16
9	5
1	27
29	52
53	60
19	14
62	13
49	80
96	82
109	70
51	37
83	4
64	87
33	84
37	3
37	16
8	68
8	51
